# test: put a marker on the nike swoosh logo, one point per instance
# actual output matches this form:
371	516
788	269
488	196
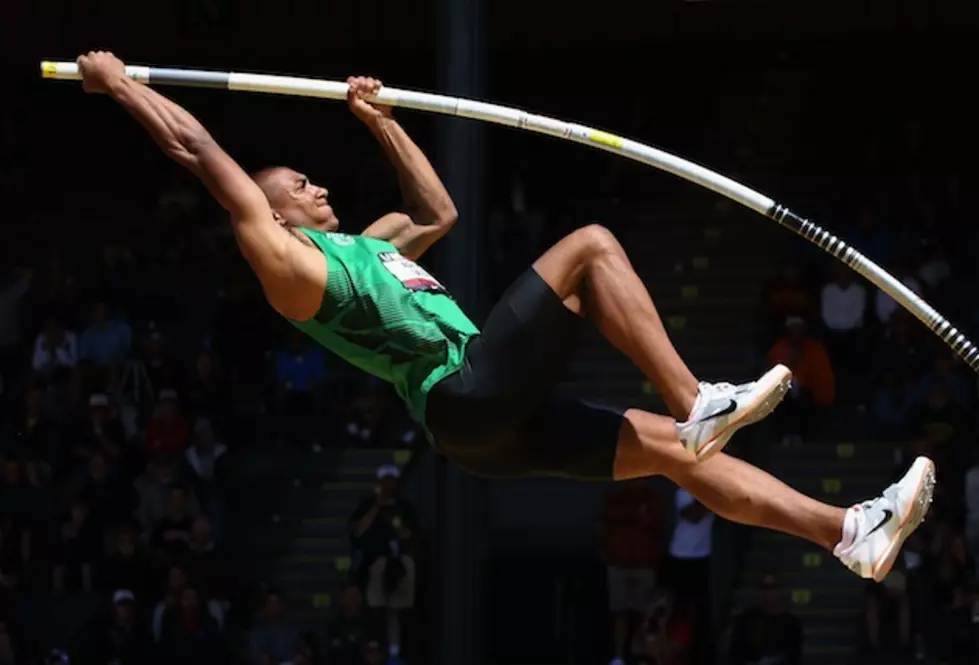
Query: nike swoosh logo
887	518
730	408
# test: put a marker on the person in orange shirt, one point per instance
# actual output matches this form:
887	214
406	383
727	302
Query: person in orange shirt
814	383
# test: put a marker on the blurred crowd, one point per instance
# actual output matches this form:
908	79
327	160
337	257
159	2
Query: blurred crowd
132	375
858	357
864	370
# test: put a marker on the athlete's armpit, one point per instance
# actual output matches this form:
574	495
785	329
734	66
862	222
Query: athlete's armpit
297	293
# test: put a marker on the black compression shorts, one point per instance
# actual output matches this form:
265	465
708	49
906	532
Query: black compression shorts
499	416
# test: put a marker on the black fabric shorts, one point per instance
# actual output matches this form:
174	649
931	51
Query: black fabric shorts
498	415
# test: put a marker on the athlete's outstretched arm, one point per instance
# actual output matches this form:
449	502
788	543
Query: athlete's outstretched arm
432	212
267	247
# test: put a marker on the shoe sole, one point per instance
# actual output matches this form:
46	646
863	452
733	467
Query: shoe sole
776	383
919	509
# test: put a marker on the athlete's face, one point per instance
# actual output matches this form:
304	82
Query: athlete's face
298	202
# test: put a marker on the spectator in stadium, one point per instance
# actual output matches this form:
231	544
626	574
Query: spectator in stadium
382	530
300	372
665	634
206	564
153	487
112	502
274	637
813	382
160	366
172	534
787	296
107	341
77	548
687	569
843	305
98	432
121	638
206	390
55	348
347	630
33	435
190	635
632	526
127	566
63	395
173	603
205	463
167	432
766	634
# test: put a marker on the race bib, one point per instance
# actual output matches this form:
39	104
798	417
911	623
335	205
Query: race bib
409	273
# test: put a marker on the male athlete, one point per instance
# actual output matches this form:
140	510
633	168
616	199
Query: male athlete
486	398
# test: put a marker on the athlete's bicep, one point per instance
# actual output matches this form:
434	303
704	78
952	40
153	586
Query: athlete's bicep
401	231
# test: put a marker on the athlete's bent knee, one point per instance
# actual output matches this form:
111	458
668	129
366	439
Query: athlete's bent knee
598	240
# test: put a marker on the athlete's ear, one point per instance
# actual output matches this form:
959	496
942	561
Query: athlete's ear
279	219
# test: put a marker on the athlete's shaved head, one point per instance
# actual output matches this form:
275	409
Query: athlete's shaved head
295	199
271	180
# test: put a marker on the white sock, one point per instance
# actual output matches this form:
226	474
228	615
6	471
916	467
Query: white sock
849	532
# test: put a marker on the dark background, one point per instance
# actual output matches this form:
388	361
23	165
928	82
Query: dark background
831	107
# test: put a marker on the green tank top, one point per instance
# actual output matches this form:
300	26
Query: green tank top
387	316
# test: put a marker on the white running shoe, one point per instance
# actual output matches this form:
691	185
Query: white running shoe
722	409
881	525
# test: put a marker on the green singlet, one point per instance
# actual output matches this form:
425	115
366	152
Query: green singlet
387	316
